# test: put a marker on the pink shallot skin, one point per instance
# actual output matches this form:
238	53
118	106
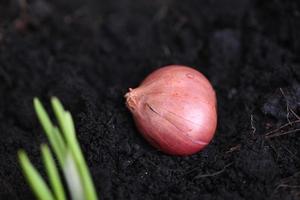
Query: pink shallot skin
175	109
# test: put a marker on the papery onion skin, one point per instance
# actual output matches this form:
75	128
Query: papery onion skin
175	109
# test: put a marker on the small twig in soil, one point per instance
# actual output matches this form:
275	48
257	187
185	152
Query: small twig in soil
234	148
213	174
252	125
288	186
284	182
287	105
288	109
110	120
280	134
294	156
289	183
293	112
283	126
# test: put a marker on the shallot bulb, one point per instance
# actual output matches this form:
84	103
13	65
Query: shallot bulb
175	109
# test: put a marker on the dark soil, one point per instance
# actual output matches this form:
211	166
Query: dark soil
88	53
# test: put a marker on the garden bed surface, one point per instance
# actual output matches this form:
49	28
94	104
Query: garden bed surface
88	53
